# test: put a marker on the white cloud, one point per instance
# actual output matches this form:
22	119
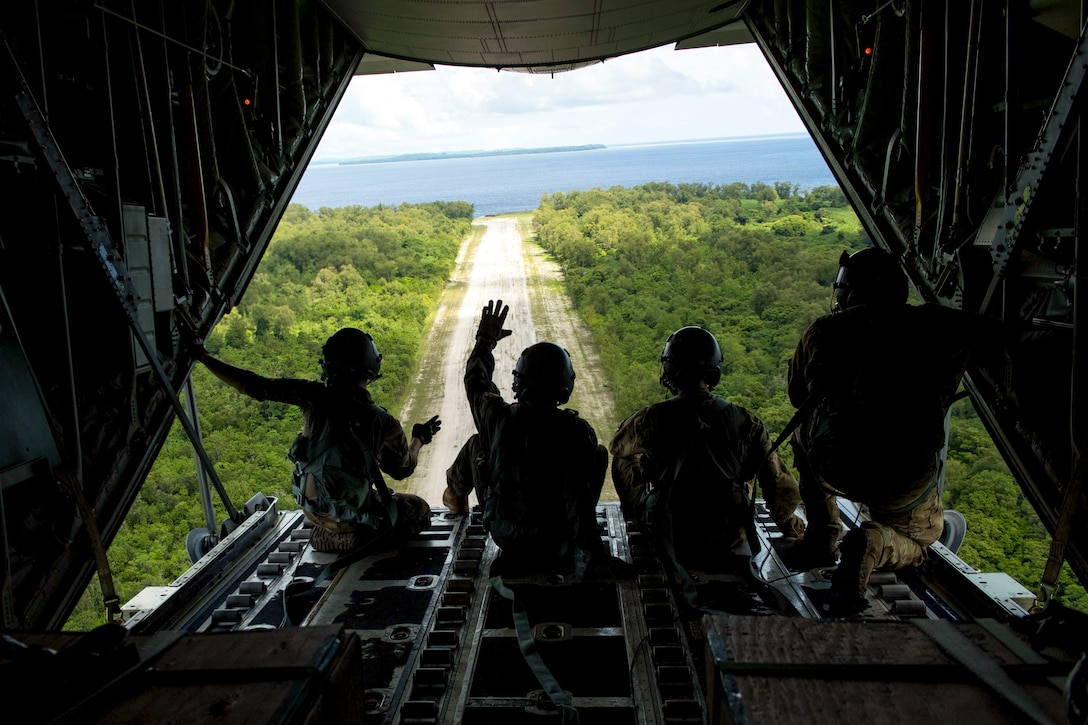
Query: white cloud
656	95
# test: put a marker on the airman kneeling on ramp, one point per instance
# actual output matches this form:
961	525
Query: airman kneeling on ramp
873	382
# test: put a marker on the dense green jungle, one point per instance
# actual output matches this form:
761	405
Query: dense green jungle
752	263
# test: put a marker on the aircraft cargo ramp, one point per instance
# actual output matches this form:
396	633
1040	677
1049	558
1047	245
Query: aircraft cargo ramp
420	634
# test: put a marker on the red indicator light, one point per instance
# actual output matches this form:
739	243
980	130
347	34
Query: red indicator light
868	51
246	101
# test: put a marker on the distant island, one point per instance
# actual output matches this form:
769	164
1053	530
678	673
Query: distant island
468	154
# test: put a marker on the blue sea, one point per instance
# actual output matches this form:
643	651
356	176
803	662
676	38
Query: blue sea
501	184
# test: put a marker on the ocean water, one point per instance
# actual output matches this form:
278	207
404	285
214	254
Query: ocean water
500	184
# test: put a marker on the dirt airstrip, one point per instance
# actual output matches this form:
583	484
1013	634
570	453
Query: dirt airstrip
496	262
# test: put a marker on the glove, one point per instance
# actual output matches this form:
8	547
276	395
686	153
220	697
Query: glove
491	322
194	346
425	431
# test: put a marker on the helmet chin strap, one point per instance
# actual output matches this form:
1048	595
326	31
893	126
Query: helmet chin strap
699	386
664	380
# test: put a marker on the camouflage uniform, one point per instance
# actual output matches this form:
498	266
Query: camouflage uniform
377	429
650	440
556	452
462	476
914	356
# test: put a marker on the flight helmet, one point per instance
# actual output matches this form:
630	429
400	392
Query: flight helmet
350	354
691	354
866	276
544	373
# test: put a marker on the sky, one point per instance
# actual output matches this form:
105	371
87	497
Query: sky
656	95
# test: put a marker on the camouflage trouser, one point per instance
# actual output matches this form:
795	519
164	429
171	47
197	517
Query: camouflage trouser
905	534
413	516
627	478
461	475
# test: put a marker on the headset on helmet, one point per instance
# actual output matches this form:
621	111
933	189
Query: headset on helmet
544	372
691	354
868	275
351	353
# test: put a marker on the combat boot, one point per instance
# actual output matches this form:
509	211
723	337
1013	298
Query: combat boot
860	550
456	504
803	555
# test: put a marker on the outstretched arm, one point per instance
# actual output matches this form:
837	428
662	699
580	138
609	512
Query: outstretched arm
282	390
481	363
242	380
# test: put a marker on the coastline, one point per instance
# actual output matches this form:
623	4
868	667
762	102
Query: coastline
503	184
432	156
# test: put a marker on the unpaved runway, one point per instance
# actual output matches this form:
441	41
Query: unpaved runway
500	267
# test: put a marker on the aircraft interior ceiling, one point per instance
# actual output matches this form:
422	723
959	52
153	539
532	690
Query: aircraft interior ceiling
147	151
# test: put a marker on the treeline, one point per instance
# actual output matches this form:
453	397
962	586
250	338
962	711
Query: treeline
381	269
754	264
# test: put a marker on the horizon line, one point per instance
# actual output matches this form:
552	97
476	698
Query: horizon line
437	155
